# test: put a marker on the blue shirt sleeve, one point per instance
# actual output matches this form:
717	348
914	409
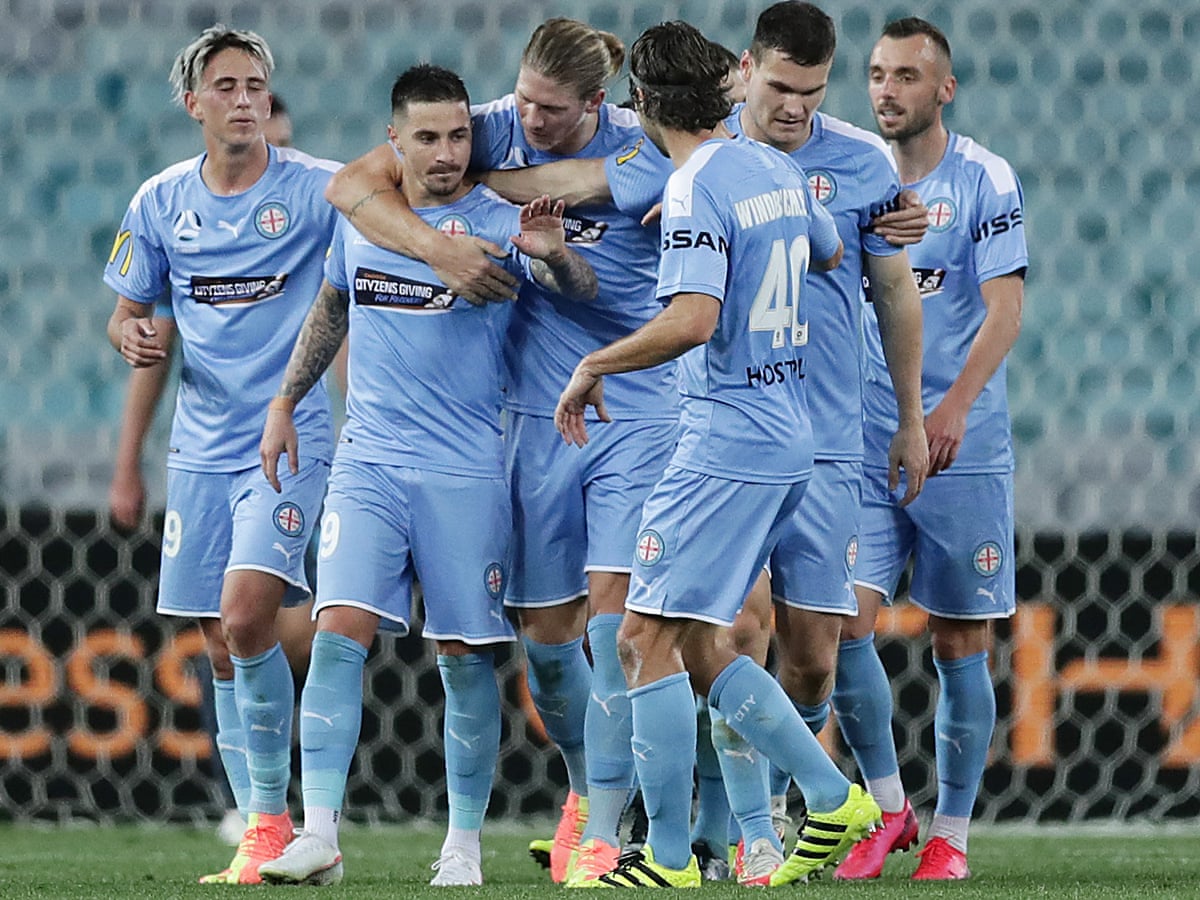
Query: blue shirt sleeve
636	176
1000	248
823	234
335	262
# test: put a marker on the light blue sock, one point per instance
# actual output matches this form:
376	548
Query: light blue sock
756	707
744	770
265	696
330	718
608	730
560	681
862	698
814	717
963	722
471	735
231	743
664	742
712	803
781	781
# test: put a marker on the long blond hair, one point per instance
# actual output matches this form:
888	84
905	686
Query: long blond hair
575	54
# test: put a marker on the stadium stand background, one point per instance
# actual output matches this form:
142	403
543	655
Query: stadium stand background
1094	103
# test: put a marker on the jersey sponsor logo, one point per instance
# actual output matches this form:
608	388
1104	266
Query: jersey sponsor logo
987	559
852	553
929	281
649	548
123	240
942	213
775	373
823	185
186	226
997	225
375	288
686	239
493	580
288	518
454	225
630	153
272	220
581	230
248	289
234	229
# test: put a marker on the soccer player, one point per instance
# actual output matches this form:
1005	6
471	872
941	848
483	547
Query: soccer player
575	514
234	237
739	229
418	483
786	71
959	532
127	503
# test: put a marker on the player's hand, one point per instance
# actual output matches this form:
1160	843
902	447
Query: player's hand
126	499
584	389
653	214
904	225
141	344
910	452
279	437
542	234
464	264
944	428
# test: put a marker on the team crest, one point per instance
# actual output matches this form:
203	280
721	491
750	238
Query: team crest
649	549
942	213
272	220
987	559
187	225
823	186
289	518
493	580
454	226
852	553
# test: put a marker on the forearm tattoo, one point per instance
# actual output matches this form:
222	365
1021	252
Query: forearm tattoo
354	210
571	276
322	334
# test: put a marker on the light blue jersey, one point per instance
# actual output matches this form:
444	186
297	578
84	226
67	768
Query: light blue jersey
549	333
976	232
425	368
240	273
852	174
739	225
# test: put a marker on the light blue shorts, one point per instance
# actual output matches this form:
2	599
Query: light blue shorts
576	510
812	566
382	524
959	533
218	522
703	542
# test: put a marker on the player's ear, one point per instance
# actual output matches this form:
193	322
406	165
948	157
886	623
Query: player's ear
595	102
946	91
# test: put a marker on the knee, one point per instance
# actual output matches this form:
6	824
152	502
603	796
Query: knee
809	682
958	638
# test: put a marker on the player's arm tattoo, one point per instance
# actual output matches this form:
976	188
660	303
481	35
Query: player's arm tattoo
566	273
324	330
363	201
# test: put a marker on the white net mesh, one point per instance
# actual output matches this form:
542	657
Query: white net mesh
1094	104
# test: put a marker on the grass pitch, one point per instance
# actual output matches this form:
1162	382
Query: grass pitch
130	862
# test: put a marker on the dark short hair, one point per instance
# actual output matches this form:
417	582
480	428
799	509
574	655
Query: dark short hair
912	26
800	31
278	107
679	73
425	83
